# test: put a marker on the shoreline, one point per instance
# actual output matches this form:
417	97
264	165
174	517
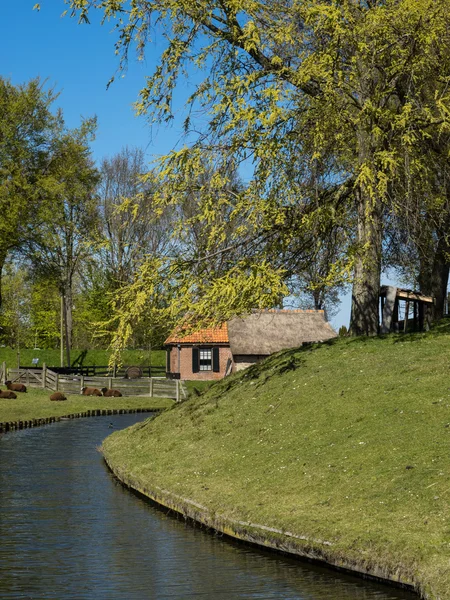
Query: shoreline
8	426
268	538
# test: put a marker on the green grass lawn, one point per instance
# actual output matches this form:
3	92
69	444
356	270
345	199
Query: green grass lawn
93	357
347	442
35	404
197	387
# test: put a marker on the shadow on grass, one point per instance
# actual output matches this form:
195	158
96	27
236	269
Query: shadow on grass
273	366
79	360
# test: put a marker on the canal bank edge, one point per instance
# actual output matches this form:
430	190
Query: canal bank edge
319	551
7	426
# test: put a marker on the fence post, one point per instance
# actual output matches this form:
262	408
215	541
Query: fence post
110	383
151	387
27	377
81	384
57	381
177	381
44	375
4	371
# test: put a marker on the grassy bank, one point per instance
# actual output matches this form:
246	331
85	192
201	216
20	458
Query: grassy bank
88	357
35	404
346	442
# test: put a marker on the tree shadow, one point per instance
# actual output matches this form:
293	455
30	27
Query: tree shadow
79	360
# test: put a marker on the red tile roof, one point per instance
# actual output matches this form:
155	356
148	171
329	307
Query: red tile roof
210	335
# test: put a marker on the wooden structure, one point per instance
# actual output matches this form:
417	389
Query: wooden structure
44	377
391	309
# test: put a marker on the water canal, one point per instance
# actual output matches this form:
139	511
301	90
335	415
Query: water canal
68	530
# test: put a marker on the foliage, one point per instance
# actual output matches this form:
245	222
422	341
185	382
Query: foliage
326	100
162	293
15	323
68	227
45	313
27	128
343	331
131	228
68	218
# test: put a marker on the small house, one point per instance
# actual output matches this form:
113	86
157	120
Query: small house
204	354
216	352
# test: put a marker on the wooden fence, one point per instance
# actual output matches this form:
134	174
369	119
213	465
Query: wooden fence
158	387
105	371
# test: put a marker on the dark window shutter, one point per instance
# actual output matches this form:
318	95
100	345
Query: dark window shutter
195	360
215	360
168	359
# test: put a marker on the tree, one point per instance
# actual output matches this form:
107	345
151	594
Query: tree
309	284
131	227
15	327
417	243
347	83
45	316
27	128
69	221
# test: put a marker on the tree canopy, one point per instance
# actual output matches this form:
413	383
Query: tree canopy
328	100
335	111
27	130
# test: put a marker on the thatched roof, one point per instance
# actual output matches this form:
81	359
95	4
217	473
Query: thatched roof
263	333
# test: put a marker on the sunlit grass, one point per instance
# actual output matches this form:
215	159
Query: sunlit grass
346	442
36	404
88	358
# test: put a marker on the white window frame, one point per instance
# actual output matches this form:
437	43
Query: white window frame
205	355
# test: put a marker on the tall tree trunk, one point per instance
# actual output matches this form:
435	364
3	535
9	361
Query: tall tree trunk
2	264
440	283
366	287
68	321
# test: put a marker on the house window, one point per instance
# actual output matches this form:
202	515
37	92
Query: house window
205	359
205	363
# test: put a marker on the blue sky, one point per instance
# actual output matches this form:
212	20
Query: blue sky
78	61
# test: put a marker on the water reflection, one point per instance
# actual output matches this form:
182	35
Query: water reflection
69	530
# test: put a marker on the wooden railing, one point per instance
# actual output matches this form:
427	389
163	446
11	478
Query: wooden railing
158	387
105	371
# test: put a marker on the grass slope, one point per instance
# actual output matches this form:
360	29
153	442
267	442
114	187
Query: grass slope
346	442
35	404
93	357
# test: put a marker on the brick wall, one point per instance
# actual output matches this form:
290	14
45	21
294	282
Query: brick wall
181	362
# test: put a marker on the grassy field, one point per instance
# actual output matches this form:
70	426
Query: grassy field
346	442
92	357
35	404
